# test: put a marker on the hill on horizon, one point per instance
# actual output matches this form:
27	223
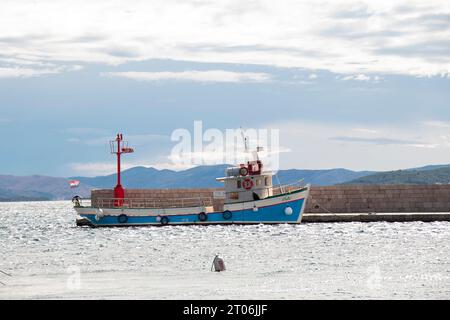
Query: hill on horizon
37	187
205	177
425	175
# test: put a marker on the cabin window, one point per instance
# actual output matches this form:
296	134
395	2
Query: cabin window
234	195
258	182
239	184
266	181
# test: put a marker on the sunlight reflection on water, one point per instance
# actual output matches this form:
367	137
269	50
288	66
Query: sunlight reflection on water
41	245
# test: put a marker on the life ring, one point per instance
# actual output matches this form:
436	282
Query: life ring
227	215
123	218
164	220
202	216
247	184
243	171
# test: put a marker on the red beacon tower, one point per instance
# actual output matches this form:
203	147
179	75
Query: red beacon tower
119	147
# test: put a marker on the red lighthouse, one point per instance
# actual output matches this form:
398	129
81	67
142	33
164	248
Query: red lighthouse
118	147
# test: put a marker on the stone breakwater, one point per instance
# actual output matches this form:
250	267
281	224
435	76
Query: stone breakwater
379	198
334	203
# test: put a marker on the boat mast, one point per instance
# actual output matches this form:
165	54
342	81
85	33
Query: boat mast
119	152
119	192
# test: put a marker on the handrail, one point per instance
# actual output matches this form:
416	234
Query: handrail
158	203
295	183
163	203
279	187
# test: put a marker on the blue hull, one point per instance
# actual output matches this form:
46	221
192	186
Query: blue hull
271	214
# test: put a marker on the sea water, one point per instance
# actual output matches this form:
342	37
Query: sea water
49	257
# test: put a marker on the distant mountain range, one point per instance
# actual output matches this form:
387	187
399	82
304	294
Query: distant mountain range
425	175
14	188
205	177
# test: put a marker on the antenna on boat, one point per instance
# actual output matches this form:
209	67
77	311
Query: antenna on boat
247	149
245	139
255	153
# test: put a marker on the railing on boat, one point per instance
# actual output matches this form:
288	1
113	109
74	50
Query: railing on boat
284	189
176	202
154	202
287	188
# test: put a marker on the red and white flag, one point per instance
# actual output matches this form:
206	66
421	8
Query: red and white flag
74	183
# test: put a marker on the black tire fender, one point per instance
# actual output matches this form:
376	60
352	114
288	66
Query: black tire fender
164	221
123	218
202	216
227	215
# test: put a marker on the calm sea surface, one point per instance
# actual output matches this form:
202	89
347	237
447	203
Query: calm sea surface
49	257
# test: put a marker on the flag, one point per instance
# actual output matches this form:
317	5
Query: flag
74	183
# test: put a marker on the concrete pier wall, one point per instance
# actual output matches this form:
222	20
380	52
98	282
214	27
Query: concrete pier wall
330	199
379	198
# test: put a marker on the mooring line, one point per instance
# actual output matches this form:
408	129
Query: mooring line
319	206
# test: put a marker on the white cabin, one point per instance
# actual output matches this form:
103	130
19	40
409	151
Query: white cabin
247	183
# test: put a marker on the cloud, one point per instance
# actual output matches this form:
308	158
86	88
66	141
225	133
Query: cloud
122	52
220	156
430	21
25	72
401	37
317	150
20	72
437	124
86	131
92	169
193	75
73	140
358	77
255	49
348	32
384	147
134	139
379	140
425	49
356	11
170	166
365	130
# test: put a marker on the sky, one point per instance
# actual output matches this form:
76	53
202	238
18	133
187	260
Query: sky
362	85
